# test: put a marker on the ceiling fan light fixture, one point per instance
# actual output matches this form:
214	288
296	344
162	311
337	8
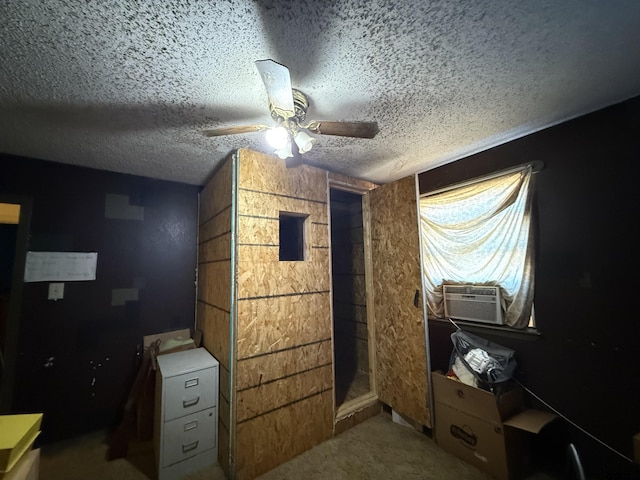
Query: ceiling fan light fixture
284	152
304	141
288	107
278	137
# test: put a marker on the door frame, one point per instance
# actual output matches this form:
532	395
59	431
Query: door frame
359	187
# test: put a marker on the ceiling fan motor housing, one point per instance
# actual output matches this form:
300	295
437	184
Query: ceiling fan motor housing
300	107
300	104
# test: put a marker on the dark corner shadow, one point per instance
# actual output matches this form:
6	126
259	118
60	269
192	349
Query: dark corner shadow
124	117
296	32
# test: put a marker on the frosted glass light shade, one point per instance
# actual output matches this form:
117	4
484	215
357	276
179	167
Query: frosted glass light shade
304	141
284	152
278	137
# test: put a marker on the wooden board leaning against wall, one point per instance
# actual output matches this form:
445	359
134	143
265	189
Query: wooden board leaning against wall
400	337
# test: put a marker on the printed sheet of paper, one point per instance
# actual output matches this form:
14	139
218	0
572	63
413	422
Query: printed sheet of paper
60	266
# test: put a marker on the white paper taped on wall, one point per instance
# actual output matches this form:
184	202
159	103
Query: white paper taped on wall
60	266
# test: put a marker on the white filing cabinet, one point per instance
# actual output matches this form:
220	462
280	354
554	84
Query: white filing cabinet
185	435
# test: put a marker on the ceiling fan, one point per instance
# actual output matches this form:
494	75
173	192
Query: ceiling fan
288	107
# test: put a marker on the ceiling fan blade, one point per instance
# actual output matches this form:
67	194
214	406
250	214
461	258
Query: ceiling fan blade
217	132
345	129
277	81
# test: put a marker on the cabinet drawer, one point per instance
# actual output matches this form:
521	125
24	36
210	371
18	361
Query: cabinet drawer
188	436
189	393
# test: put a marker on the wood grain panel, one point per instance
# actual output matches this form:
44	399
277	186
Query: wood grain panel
224	381
359	416
282	409
214	324
269	174
258	230
216	194
218	248
217	225
257	253
264	204
260	279
214	280
223	449
266	368
401	361
213	317
224	413
276	323
270	440
319	234
282	392
271	253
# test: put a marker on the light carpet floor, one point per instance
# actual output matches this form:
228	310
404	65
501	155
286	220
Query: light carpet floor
375	449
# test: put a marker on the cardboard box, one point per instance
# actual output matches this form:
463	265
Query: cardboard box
17	434
175	341
636	447
489	432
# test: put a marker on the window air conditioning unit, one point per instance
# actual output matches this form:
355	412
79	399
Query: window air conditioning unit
477	303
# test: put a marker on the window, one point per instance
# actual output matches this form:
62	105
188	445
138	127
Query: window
480	233
291	237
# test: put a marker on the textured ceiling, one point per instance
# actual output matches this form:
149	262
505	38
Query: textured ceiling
128	85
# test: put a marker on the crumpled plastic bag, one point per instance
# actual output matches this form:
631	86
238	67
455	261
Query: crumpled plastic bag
463	374
487	361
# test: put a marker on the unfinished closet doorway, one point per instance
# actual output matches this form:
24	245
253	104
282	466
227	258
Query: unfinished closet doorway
353	376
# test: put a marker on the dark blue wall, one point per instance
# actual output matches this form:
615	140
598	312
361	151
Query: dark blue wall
585	363
77	357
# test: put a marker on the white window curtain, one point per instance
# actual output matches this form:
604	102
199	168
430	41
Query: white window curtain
481	234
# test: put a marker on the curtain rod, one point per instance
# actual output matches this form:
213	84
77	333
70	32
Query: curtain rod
536	166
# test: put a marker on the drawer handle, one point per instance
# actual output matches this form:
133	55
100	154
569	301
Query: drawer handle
190	403
190	446
190	425
191	383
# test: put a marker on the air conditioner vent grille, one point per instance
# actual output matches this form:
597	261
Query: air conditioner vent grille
471	290
475	303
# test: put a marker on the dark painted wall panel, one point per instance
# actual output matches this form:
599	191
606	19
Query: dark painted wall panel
585	363
77	357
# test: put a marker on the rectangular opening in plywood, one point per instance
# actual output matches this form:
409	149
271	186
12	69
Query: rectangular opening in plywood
292	237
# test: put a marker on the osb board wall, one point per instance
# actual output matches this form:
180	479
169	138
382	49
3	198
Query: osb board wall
401	362
284	358
214	286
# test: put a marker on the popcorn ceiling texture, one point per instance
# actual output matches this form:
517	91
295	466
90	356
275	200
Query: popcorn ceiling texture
129	85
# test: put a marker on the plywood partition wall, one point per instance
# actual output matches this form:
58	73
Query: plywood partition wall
401	355
214	289
284	377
